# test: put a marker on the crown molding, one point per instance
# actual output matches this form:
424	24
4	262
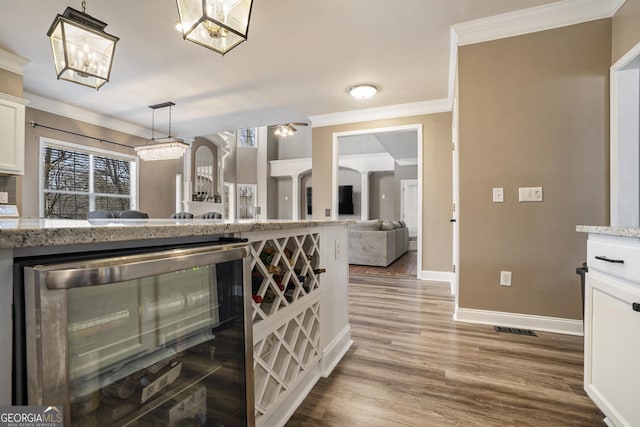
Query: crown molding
382	113
76	113
531	20
12	62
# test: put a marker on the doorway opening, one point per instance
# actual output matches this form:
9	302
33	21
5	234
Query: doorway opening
378	160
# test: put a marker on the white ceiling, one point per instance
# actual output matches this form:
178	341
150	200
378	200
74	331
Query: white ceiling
402	145
299	60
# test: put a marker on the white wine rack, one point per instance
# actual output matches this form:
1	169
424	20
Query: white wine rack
283	357
286	315
294	258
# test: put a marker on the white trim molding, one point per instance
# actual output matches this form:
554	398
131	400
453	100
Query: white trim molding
12	62
381	113
77	113
335	351
439	276
516	320
540	18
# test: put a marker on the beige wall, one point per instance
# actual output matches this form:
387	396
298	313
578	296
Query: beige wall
625	29
533	112
436	186
157	179
10	83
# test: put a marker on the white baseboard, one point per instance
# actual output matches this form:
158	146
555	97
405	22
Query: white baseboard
523	321
335	351
437	276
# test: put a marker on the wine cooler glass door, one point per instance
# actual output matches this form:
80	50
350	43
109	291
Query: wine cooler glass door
150	339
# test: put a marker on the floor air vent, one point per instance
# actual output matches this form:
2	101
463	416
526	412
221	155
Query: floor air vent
516	331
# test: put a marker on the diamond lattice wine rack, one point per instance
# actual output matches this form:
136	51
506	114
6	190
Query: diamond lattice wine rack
285	277
283	270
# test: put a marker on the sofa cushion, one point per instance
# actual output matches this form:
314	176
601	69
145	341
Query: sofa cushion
403	223
372	224
386	226
396	224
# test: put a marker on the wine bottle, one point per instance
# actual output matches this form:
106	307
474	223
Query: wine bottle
273	269
308	283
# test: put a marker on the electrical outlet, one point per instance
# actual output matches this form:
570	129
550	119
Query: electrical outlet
327	212
498	195
337	249
4	197
505	278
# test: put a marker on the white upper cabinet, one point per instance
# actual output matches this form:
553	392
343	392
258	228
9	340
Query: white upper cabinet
12	127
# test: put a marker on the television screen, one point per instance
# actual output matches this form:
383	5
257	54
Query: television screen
345	199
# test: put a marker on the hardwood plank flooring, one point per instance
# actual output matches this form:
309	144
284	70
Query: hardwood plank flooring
405	266
412	365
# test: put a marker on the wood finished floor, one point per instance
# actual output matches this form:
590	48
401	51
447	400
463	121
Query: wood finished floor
412	365
405	266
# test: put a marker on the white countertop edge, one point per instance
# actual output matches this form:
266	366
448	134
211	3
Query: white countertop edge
19	233
610	231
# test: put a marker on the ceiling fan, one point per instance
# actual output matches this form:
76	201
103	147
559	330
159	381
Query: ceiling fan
288	129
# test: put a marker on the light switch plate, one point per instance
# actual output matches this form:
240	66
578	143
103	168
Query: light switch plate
498	195
4	197
530	194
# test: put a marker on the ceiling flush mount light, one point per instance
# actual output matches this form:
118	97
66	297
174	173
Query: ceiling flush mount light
219	25
82	50
167	148
363	91
288	129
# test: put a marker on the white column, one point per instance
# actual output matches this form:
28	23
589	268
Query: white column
295	197
262	172
364	195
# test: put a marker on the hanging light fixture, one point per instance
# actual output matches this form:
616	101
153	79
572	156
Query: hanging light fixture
82	50
219	25
167	148
288	129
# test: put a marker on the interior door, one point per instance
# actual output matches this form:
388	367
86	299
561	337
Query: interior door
409	205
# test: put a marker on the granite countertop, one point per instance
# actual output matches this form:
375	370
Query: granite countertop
611	231
20	233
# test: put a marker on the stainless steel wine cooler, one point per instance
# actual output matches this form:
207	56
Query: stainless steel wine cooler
158	338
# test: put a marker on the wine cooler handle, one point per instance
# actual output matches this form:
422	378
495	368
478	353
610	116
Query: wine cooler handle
104	271
614	261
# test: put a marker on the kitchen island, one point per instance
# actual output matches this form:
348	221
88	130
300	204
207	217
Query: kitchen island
299	333
612	322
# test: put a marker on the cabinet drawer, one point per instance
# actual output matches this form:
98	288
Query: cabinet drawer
619	257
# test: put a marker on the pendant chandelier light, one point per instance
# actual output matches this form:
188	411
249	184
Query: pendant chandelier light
167	148
219	25
287	129
82	50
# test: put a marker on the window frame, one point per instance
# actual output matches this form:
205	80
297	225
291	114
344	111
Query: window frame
254	139
45	142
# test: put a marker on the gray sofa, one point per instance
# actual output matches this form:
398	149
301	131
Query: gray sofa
376	242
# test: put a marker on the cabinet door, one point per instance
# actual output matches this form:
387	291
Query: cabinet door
11	135
612	348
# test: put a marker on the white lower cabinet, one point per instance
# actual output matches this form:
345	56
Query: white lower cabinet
612	330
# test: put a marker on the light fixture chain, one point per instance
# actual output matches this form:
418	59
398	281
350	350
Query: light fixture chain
170	121
84	6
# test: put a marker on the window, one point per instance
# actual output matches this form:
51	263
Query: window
76	180
246	200
248	138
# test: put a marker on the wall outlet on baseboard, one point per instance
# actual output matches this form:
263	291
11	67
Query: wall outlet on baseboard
505	278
